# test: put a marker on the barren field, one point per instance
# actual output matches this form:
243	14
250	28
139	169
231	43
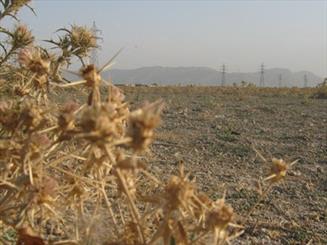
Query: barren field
214	132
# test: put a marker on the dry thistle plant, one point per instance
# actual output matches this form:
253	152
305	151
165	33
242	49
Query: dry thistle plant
277	174
11	8
20	36
78	164
321	90
71	173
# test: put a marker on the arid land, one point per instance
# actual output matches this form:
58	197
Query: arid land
214	131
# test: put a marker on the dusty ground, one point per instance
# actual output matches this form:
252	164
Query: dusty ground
214	130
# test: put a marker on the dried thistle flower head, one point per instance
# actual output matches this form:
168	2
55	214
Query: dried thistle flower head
116	95
142	123
219	216
179	191
21	37
91	75
9	116
31	116
82	39
279	167
69	107
34	147
34	60
115	101
17	4
66	119
98	125
278	170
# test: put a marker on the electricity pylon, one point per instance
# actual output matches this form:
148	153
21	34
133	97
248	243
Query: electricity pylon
223	75
94	54
305	80
262	75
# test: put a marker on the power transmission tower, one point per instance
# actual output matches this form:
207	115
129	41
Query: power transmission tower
305	80
94	54
280	80
262	75
223	75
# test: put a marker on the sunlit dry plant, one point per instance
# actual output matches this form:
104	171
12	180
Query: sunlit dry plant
75	173
82	40
141	125
37	63
34	60
66	118
278	170
218	219
78	42
17	38
21	37
11	7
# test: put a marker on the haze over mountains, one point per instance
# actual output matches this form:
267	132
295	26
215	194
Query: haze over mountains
208	76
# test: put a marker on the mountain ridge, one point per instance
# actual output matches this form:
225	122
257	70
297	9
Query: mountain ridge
201	75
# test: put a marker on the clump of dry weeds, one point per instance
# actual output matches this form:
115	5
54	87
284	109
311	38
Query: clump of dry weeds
72	173
321	90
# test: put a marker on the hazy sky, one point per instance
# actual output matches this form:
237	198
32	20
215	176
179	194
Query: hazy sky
242	34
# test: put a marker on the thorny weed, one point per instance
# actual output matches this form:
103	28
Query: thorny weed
71	173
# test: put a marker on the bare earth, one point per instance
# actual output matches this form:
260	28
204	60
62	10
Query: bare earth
214	130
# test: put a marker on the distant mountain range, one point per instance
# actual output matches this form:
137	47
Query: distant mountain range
208	76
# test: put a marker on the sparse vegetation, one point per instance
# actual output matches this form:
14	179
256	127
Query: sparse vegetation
321	92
